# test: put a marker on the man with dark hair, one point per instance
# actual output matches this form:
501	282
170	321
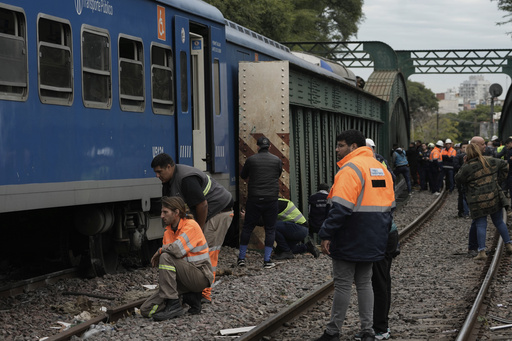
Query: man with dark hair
209	201
355	233
263	171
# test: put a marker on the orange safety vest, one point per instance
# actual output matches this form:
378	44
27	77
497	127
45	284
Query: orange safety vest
363	191
435	155
187	241
450	153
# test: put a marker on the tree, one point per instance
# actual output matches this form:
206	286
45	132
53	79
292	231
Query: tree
506	6
296	20
422	106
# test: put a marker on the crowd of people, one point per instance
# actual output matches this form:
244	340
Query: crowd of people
353	223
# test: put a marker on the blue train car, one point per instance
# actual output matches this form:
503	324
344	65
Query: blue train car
90	92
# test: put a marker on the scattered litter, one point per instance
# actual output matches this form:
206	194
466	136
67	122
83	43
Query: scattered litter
216	282
149	286
501	327
450	331
103	309
95	329
63	326
235	330
83	316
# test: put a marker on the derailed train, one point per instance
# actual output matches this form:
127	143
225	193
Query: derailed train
92	90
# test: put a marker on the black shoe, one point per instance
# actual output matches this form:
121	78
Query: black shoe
240	262
172	309
312	249
329	337
367	337
193	299
284	255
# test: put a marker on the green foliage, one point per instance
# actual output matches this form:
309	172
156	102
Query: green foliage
506	6
295	20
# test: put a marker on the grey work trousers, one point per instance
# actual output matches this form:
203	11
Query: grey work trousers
175	277
346	273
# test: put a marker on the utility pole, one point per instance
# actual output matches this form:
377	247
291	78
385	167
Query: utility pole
495	90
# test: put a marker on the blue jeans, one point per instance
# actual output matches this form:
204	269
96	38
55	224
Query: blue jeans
481	228
288	235
404	170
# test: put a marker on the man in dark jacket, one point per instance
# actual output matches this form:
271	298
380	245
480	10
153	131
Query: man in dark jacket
355	233
263	171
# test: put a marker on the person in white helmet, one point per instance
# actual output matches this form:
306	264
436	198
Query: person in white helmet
448	154
436	168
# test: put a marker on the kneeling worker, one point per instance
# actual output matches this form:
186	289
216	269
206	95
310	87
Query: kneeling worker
291	230
184	266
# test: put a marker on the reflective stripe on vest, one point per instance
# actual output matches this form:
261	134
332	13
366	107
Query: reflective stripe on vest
291	213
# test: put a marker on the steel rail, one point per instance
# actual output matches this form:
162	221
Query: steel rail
467	328
286	314
111	315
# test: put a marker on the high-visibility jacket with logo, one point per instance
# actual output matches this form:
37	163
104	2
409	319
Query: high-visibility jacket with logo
290	212
448	156
188	242
362	199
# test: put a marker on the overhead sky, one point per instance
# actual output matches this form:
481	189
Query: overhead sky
436	25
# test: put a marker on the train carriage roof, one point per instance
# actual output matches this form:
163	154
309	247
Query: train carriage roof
196	7
242	36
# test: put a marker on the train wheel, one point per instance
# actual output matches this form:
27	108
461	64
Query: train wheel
103	254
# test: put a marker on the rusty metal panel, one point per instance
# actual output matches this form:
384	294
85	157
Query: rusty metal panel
264	111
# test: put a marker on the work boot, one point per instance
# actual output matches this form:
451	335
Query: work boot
172	309
508	248
312	249
283	255
193	299
329	337
481	255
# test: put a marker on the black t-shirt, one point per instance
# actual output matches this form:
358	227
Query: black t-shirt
191	191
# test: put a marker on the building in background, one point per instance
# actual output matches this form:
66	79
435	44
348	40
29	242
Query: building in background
475	91
450	102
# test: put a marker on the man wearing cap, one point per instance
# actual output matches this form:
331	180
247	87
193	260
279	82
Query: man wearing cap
263	171
448	155
436	168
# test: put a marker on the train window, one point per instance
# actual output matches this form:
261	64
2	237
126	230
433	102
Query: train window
183	81
162	91
13	54
131	74
55	60
96	68
216	85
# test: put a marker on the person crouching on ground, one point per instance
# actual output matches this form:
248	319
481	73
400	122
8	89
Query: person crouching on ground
183	262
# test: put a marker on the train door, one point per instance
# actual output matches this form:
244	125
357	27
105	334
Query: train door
198	102
220	118
183	91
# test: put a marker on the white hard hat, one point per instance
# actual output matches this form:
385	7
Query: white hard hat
494	138
370	143
448	141
439	143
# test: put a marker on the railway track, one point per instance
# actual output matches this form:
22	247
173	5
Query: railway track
414	315
436	324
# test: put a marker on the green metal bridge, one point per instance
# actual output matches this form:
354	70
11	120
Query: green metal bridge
381	57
